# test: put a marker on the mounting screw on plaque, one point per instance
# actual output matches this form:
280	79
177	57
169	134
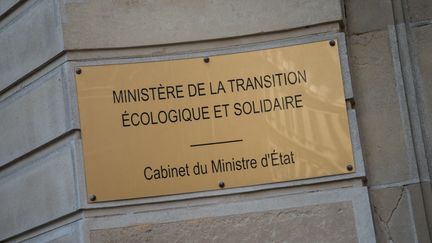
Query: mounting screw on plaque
221	184
349	167
78	71
206	59
332	43
92	198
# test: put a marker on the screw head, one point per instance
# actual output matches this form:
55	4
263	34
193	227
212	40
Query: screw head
349	167
206	59
92	198
78	71
332	43
221	184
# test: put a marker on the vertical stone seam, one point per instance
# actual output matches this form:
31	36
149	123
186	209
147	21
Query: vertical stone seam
406	78
58	12
363	217
415	76
412	214
412	54
410	76
403	103
69	105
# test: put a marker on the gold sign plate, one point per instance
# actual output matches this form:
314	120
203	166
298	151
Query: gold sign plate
169	127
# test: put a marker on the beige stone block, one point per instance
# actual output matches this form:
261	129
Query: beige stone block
378	110
420	200
110	24
423	47
368	15
319	223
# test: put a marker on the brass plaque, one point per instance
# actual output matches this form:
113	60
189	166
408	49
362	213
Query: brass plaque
168	127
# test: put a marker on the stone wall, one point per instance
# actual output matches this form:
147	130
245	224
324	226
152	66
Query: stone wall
386	57
390	85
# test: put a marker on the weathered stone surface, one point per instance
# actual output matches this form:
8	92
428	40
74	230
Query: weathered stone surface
394	219
426	194
33	116
379	15
391	214
419	10
28	42
108	24
424	85
318	223
378	109
41	191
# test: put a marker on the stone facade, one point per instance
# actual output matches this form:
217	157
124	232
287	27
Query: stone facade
386	48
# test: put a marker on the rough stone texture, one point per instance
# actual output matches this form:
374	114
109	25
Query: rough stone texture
109	24
319	223
424	85
33	116
377	105
38	192
395	220
29	41
368	15
419	10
